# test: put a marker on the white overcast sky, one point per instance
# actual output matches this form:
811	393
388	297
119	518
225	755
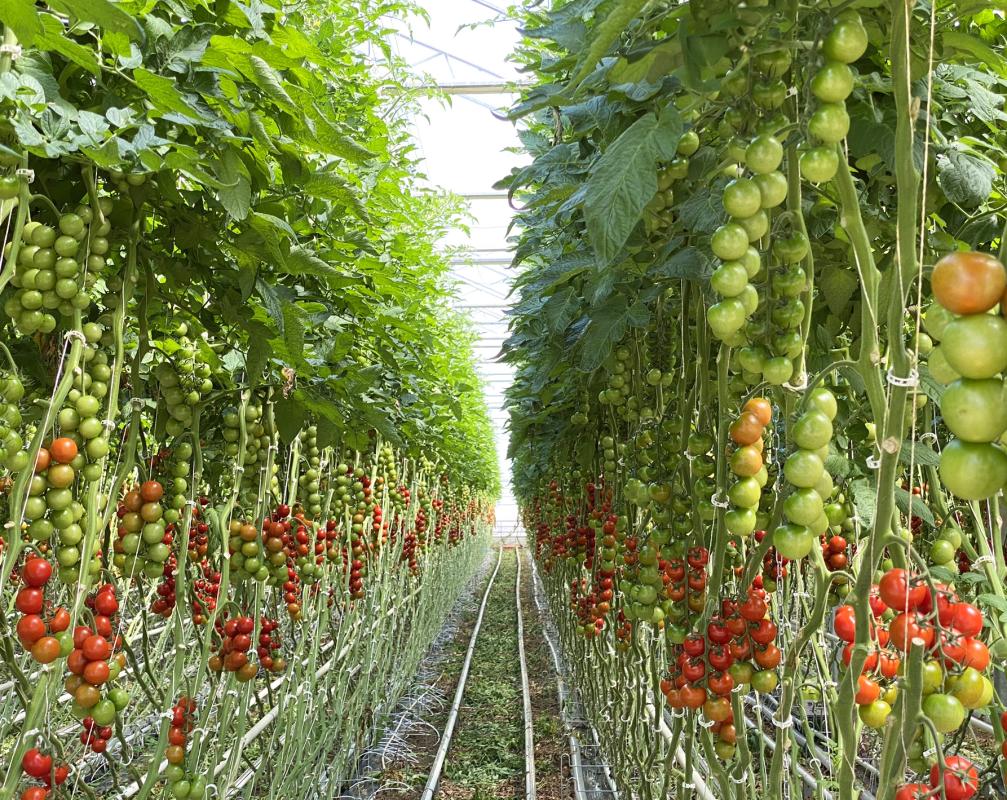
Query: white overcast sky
464	150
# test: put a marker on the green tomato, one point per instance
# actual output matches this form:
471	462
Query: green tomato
777	371
804	469
940	370
729	279
819	164
726	317
804	507
793	541
874	715
822	399
745	493
104	712
742	198
764	155
936	319
830	123
833	83
976	346
688	144
945	711
973	470
791	282
846	42
730	242
756	226
975	410
812	430
740	521
765	681
793	248
773	188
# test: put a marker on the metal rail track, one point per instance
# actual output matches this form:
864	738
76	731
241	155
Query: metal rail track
430	789
529	731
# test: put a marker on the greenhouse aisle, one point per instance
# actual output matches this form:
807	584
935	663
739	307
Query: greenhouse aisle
464	730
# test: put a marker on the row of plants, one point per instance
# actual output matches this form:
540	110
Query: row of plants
246	463
758	420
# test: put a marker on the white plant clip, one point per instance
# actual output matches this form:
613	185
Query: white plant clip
873	462
911	381
12	50
719	502
787	723
28	175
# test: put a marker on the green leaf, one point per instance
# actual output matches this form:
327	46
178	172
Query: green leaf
618	19
607	327
301	261
993	601
55	39
23	18
162	93
920	508
973	46
965	178
837	286
255	361
269	80
865	501
107	15
920	454
236	193
290	417
624	180
331	186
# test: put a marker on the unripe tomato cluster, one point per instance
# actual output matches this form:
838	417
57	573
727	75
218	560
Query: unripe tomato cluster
48	274
805	471
972	353
12	453
746	492
45	641
52	508
184	378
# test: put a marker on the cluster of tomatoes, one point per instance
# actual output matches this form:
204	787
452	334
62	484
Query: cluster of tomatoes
686	580
738	648
41	638
183	722
282	545
199	540
97	659
205	591
94	735
953	679
746	492
143	542
958	780
970	358
236	640
39	765
834	551
774	567
269	642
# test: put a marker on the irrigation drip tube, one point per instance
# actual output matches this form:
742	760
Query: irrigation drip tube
529	731
449	727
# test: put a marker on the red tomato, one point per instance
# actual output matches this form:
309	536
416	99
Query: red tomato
763	631
966	619
694	645
35	763
60	620
905	628
898	591
977	655
96	648
754	608
867	691
29	601
846	623
36	571
63	450
912	791
961	778
30	628
106	604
